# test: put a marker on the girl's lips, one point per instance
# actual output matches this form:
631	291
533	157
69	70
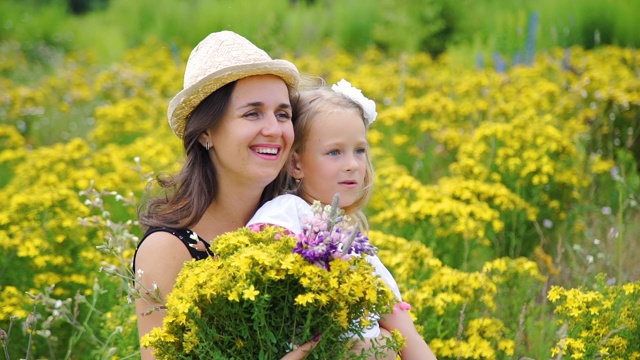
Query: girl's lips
349	183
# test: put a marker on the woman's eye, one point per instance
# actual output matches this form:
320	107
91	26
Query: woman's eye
283	116
251	114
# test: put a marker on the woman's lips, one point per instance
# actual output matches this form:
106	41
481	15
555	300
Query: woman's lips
267	151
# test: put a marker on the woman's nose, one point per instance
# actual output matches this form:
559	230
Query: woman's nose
271	126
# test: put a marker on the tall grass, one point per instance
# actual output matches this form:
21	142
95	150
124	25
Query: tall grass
505	26
276	25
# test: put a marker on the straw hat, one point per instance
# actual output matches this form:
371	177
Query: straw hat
221	58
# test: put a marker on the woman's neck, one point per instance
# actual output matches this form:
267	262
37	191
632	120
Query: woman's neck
231	210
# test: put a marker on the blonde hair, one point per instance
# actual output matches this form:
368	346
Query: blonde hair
320	99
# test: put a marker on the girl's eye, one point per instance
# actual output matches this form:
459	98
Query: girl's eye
334	152
361	151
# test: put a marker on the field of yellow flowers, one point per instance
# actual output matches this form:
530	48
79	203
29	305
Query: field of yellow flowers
506	202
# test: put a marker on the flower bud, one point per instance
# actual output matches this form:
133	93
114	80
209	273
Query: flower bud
30	323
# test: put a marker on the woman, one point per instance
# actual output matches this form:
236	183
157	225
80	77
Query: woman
234	117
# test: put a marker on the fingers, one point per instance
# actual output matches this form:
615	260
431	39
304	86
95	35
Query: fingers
401	306
301	352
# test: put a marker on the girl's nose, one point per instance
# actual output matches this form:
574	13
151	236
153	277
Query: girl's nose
351	163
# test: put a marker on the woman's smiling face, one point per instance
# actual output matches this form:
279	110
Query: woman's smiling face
253	139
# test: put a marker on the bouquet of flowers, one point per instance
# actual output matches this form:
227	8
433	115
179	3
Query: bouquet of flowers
266	292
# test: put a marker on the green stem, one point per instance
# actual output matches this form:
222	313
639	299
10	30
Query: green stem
6	350
84	326
620	237
466	254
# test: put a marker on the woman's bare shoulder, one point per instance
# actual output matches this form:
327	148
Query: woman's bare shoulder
161	249
158	261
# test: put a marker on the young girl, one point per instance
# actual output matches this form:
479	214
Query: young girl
330	154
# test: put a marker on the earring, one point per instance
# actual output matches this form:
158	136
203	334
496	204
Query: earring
208	146
296	188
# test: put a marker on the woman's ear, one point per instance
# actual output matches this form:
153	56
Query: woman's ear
205	140
294	166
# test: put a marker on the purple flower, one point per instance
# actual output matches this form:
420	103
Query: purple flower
329	235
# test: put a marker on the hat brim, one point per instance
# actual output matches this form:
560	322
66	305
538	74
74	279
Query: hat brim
181	106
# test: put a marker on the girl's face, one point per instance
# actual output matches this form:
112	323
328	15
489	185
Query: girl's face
334	159
252	141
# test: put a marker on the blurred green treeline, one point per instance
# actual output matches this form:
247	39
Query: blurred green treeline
514	29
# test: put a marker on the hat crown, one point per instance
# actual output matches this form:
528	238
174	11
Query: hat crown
219	59
221	50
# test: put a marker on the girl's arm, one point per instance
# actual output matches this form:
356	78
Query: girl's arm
416	348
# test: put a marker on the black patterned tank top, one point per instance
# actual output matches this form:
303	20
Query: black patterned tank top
198	247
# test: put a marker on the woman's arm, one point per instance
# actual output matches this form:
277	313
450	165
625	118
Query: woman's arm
416	348
300	352
158	262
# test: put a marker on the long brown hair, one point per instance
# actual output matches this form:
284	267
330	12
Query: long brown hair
187	195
